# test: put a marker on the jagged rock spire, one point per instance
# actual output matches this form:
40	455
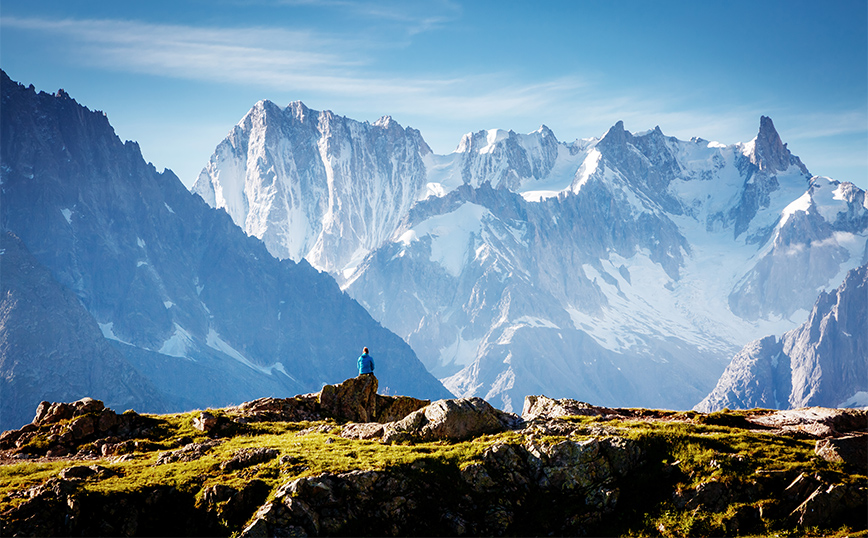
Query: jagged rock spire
770	153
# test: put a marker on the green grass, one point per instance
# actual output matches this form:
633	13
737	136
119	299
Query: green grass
692	448
306	455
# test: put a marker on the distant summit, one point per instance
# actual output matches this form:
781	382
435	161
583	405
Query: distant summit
823	362
770	154
625	270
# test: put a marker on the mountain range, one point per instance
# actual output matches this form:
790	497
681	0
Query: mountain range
624	270
120	284
822	362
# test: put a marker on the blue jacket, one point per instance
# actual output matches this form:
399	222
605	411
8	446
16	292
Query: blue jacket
366	364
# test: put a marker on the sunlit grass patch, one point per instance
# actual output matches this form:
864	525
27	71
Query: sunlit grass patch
18	477
299	456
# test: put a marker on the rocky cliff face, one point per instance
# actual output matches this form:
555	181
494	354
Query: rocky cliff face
52	348
313	184
822	362
625	270
196	306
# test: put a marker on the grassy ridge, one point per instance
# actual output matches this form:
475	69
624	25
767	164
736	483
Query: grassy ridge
683	453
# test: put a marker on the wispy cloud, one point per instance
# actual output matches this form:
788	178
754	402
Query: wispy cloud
302	60
345	69
414	17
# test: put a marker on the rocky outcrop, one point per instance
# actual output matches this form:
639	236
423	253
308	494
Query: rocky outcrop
355	399
452	420
548	474
823	501
61	427
851	450
302	407
501	495
817	422
62	507
67	425
445	420
543	408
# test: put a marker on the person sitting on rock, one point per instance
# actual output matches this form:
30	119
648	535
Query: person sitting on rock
366	363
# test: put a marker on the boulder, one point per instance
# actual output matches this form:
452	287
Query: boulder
47	413
85	471
820	422
298	408
392	408
851	450
189	452
355	399
450	419
205	422
829	504
366	430
108	419
543	407
249	456
83	426
78	471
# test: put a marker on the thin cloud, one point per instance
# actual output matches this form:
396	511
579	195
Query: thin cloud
343	71
414	17
285	60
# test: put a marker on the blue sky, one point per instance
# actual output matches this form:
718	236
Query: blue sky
177	75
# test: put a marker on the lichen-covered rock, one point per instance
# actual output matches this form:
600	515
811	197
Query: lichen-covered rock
543	407
451	419
205	422
366	430
190	452
249	456
819	422
298	408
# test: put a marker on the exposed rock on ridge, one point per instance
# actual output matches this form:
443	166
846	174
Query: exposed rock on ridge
550	474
